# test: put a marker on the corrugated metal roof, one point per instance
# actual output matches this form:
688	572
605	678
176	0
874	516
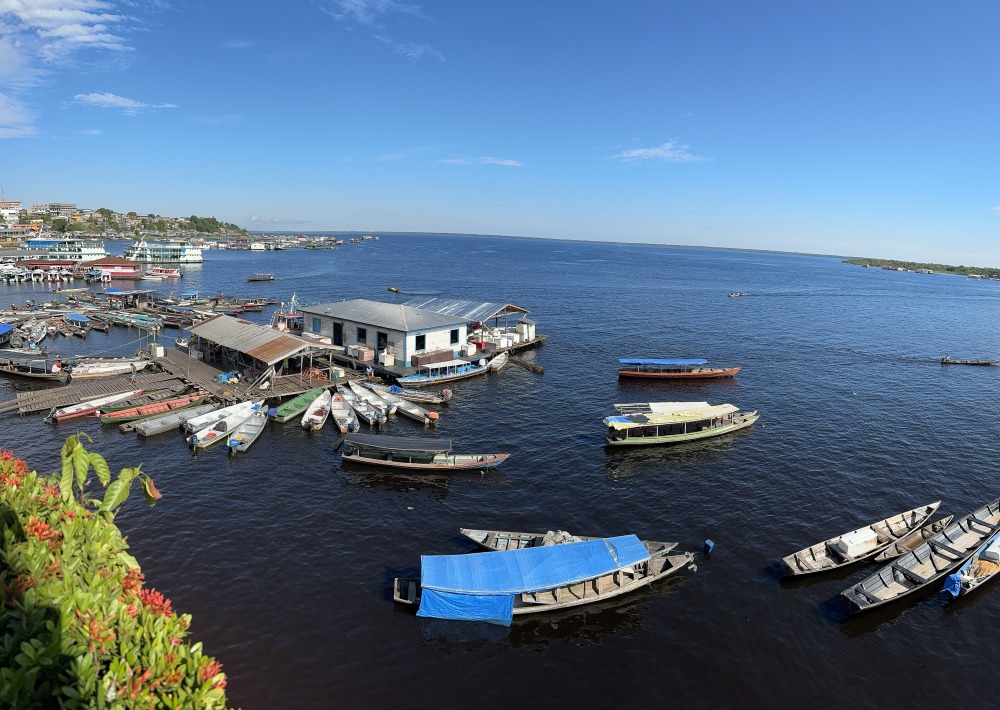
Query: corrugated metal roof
259	342
468	311
391	316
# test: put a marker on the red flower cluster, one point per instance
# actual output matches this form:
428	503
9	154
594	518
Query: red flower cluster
155	602
43	532
12	470
210	670
98	633
133	580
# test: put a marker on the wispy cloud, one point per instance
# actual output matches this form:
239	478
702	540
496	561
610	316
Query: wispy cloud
669	152
369	12
90	132
53	31
272	221
129	106
237	44
16	121
482	161
410	50
996	211
227	120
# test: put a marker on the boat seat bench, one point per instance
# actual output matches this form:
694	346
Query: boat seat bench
909	574
940	546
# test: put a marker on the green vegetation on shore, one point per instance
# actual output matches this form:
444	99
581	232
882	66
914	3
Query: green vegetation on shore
936	268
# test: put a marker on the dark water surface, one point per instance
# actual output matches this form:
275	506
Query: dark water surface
285	560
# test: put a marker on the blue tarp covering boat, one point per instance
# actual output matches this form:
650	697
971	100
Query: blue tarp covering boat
681	361
77	318
482	587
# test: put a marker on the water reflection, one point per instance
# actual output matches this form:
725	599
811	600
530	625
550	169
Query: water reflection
622	462
367	477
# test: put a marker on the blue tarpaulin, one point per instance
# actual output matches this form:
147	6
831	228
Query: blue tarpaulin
5	328
77	318
482	587
662	361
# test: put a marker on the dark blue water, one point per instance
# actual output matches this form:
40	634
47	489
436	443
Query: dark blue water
286	561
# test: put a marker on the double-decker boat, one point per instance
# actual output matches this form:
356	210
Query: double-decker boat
53	249
170	251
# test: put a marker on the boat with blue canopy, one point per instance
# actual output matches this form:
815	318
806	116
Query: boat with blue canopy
645	423
496	586
685	368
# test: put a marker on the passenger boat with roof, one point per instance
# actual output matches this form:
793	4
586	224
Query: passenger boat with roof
177	251
671	368
416	454
501	540
932	560
949	360
497	586
646	423
447	371
857	545
59	249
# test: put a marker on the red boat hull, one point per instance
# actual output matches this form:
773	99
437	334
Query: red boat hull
706	373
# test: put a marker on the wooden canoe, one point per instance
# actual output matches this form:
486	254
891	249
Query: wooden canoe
909	542
152	410
828	555
297	405
500	540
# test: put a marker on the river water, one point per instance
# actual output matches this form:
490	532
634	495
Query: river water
286	561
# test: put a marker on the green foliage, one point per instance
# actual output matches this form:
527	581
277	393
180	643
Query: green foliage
78	628
59	225
936	268
211	225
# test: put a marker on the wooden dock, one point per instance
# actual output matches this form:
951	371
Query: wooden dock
43	400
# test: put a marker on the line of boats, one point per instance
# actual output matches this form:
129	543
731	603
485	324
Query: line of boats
915	551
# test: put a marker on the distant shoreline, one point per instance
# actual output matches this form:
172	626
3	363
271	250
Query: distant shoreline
978	271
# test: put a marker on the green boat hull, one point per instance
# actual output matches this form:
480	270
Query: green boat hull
296	406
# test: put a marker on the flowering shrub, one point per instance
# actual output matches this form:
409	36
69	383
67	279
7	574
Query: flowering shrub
77	626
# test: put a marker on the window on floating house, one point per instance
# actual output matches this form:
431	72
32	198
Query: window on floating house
316	327
454	336
362	335
421	342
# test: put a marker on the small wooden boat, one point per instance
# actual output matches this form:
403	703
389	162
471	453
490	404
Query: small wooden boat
857	545
408	409
497	586
645	423
221	429
948	360
295	406
418	396
247	432
501	540
89	406
416	454
92	369
393	289
373	398
144	398
173	420
366	412
909	542
343	414
983	566
35	369
497	362
260	277
198	423
151	410
676	368
932	560
318	412
448	371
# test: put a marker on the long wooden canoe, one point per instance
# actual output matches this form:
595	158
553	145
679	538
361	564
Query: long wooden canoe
909	542
831	554
153	409
501	540
297	405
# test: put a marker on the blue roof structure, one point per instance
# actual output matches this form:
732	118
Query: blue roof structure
482	587
681	361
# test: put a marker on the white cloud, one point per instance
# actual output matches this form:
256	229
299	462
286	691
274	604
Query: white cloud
996	211
368	12
237	44
410	50
482	161
90	132
271	221
53	31
130	106
16	121
669	152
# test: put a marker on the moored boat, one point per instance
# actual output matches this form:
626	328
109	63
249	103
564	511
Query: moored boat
343	414
144	398
497	586
857	545
447	371
151	410
418	396
365	411
949	360
497	362
642	424
932	560
671	368
417	454
318	411
172	421
89	406
295	406
983	566
408	409
222	428
910	541
92	369
247	432
198	423
373	398
500	540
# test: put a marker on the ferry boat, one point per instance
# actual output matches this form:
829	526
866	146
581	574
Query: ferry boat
172	251
53	249
673	422
165	272
671	368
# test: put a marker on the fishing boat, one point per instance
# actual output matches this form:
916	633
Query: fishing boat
222	428
151	410
343	414
949	360
371	415
860	544
676	368
295	406
502	540
247	432
373	398
260	276
318	412
980	568
408	409
92	369
932	560
196	424
288	318
418	396
497	362
172	421
447	371
417	454
641	424
144	398
89	406
910	541
497	586
35	369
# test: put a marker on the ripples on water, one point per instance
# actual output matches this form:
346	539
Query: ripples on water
286	560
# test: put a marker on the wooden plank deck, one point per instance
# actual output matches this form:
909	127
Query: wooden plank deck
44	400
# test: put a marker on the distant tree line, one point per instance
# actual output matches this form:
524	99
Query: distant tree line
936	268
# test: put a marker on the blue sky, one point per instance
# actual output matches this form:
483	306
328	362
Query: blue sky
866	128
